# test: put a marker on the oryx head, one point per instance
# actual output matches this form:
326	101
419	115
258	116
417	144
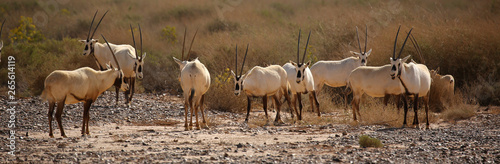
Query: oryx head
120	80
183	61
139	60
1	42
238	79
397	63
363	55
90	42
301	67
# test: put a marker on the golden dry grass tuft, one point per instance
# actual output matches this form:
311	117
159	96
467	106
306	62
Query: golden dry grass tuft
367	141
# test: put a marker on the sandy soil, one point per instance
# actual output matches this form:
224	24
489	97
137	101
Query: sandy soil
152	130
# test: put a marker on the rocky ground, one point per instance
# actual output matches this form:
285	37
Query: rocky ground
152	130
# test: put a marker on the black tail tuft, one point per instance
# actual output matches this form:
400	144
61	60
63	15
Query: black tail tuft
191	95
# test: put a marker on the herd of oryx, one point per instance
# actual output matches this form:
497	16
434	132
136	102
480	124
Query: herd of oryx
119	65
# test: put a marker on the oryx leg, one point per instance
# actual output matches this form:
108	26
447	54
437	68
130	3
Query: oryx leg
294	103
51	112
415	109
249	105
186	106
203	111
117	91
405	109
264	105
299	99
59	111
86	117
277	119
132	89
314	101
195	106
426	103
288	99
355	107
128	80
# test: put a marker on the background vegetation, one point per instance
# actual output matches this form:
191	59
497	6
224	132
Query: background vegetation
459	36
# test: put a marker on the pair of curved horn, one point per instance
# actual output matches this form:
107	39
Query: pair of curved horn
184	42
242	65
112	52
133	39
1	28
404	43
91	24
417	47
366	39
298	47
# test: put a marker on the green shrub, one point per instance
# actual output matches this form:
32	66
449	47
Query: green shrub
169	34
221	97
25	32
367	141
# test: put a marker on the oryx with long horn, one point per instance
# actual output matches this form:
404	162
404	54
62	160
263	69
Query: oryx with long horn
261	82
335	73
80	85
416	80
195	82
132	64
301	81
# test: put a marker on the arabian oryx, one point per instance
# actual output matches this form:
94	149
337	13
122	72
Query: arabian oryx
195	81
132	64
80	85
442	87
1	42
374	81
262	82
301	81
416	80
335	73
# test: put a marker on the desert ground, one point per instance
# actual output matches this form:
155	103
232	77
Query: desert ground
152	130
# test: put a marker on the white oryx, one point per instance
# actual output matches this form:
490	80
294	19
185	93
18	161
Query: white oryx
374	81
301	81
416	80
335	73
1	41
80	85
195	81
132	64
261	82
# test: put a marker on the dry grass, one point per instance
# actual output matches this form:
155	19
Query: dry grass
367	141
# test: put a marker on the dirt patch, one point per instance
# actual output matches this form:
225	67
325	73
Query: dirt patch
152	130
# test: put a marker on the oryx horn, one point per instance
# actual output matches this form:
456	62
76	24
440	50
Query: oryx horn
298	48
402	47
114	57
242	65
395	44
140	35
98	24
307	44
192	41
133	40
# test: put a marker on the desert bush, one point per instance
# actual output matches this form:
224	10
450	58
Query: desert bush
169	34
218	25
221	96
459	112
26	31
367	141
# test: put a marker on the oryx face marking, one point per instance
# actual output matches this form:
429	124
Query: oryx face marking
238	83
139	65
89	46
300	70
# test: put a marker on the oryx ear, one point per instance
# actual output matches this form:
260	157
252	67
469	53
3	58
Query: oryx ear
143	55
405	59
368	53
232	73
354	53
1	44
308	62
108	66
433	73
293	63
437	70
95	40
82	41
177	61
